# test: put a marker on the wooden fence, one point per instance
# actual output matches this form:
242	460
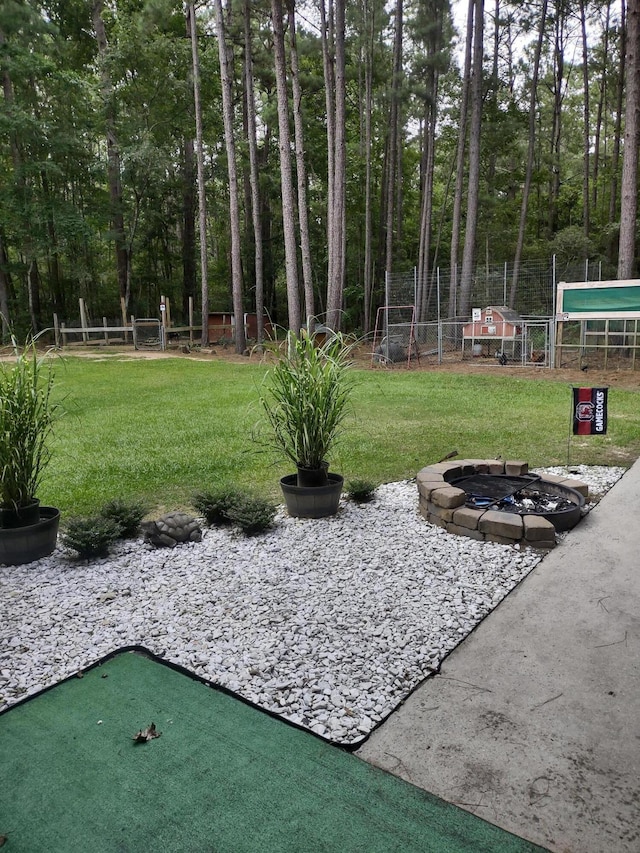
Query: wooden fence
90	334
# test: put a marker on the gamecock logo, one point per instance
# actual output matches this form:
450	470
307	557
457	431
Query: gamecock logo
584	411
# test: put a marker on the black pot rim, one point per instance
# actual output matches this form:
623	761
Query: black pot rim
30	502
16	516
47	513
290	482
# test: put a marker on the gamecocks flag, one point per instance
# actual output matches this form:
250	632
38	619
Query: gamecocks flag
589	411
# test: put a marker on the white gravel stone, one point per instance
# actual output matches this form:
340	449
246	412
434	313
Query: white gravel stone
329	623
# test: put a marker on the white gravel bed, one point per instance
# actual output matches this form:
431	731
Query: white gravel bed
329	623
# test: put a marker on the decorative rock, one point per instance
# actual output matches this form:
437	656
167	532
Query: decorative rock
501	540
472	533
445	469
516	468
481	466
494	466
348	613
505	524
107	596
581	488
428	475
171	529
448	497
439	512
537	528
426	487
468	517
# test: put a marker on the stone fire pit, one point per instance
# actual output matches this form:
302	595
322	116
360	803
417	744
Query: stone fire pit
448	505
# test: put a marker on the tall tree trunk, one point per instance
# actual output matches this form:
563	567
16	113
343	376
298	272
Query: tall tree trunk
33	292
234	209
433	46
524	206
113	157
335	288
602	99
202	198
586	172
286	175
497	23
460	160
5	286
32	281
556	127
254	174
399	219
617	133
53	249
188	212
393	159
629	205
301	171
188	225
426	212
368	223
468	253
266	217
328	65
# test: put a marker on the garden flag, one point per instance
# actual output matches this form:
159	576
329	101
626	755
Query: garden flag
589	411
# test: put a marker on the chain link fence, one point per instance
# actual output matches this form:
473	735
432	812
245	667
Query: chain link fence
421	321
531	294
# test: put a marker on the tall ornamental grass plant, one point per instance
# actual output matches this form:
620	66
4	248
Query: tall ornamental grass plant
27	415
306	398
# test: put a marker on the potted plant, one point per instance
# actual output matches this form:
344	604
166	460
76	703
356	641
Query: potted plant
306	399
28	531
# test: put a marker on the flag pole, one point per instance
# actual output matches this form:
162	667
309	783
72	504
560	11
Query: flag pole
570	428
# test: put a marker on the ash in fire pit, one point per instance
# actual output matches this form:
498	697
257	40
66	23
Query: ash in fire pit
533	500
527	494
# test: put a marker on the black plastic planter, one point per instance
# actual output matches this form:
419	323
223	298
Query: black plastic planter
312	501
31	542
313	477
20	516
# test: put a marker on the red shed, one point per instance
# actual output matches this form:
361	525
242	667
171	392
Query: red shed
495	323
222	326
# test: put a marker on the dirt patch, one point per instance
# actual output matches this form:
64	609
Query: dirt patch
627	380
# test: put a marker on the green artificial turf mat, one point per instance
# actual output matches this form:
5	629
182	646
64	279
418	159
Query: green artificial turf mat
223	777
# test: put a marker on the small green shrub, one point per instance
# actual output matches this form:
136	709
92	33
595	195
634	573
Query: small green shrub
91	537
228	505
252	515
361	491
214	504
127	514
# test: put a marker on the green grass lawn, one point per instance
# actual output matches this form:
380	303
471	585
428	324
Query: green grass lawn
160	430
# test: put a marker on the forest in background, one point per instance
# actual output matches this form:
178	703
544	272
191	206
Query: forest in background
286	155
